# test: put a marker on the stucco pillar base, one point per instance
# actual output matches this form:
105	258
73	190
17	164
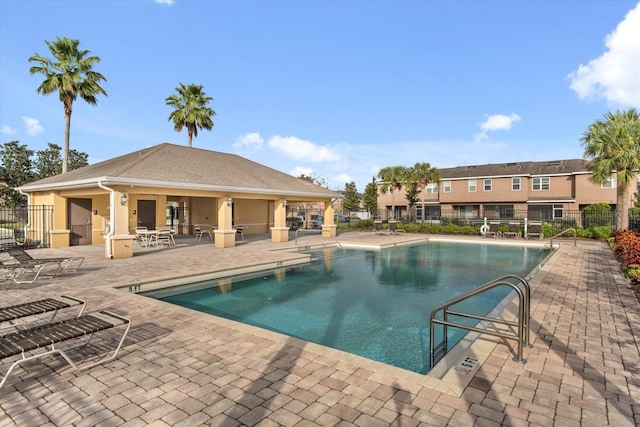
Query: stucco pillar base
329	230
279	234
224	238
121	246
59	238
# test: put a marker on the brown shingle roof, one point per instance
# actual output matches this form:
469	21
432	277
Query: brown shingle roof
553	167
166	162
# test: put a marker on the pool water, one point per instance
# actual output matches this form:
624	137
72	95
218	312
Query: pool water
375	304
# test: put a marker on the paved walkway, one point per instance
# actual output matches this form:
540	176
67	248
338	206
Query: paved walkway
186	369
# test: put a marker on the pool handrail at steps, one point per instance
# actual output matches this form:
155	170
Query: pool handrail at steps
575	237
522	289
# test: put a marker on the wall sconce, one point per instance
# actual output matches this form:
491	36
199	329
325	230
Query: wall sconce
95	211
229	201
284	203
123	199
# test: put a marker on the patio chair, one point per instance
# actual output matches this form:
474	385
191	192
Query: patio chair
10	316
142	236
534	230
200	232
44	337
165	237
393	228
377	227
240	231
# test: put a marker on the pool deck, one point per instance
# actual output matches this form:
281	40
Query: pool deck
181	368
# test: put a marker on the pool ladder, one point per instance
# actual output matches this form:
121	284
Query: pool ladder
522	289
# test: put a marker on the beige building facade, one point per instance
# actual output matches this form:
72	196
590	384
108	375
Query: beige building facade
175	186
534	190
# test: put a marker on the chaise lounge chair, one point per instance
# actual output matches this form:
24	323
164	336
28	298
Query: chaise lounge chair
56	266
45	336
11	316
534	230
514	230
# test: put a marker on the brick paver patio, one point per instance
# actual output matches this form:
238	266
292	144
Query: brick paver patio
180	368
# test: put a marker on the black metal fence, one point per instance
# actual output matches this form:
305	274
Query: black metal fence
559	218
26	226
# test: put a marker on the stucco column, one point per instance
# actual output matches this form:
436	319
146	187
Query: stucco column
121	241
59	233
329	227
225	235
280	231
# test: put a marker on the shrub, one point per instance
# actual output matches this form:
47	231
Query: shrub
626	246
601	232
452	229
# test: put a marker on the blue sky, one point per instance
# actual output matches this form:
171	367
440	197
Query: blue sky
333	89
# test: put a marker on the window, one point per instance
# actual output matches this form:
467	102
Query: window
557	211
446	186
432	188
542	183
472	185
498	211
610	182
487	185
515	184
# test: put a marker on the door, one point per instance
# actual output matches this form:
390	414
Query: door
79	222
147	214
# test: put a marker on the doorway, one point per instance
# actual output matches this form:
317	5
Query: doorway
147	214
80	224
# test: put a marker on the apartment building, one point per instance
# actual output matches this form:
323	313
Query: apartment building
534	190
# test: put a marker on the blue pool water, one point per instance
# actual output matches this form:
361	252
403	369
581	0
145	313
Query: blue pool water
374	304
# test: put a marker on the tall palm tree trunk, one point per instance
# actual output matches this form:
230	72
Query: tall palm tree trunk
67	132
622	207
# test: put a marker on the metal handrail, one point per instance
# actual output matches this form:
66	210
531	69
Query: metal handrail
524	314
575	237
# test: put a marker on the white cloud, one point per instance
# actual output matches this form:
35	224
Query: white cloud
167	2
8	130
343	178
251	140
299	170
496	122
301	149
32	125
614	75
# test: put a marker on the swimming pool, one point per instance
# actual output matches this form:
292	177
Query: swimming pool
374	304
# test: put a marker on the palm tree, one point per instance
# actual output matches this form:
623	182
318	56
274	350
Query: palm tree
613	146
392	178
71	75
191	110
423	173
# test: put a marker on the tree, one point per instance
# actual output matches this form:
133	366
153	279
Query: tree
71	75
392	178
49	162
412	193
16	170
351	201
421	174
190	110
370	197
613	146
